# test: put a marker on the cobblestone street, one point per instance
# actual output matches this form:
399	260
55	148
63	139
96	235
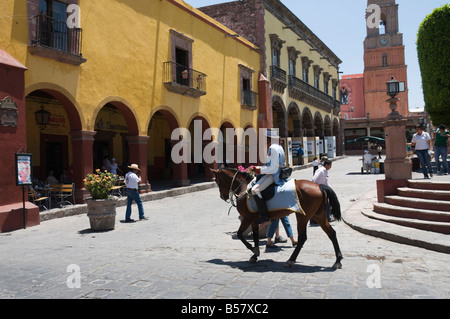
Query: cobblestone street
187	249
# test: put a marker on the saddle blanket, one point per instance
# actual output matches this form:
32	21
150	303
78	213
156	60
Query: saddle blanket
285	199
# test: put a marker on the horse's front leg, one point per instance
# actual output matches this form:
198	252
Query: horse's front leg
256	253
240	233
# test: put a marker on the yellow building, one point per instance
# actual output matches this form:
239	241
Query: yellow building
303	71
114	78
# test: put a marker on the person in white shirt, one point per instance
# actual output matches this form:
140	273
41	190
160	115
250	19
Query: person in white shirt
422	142
367	158
132	180
321	177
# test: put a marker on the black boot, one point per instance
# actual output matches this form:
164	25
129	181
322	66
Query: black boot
262	209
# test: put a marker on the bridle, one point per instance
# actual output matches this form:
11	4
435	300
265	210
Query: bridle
233	197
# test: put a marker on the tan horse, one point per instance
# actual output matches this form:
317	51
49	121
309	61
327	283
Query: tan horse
313	198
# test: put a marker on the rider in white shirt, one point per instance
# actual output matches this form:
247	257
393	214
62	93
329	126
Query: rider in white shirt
271	174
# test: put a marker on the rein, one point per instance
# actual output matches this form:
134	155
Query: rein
233	197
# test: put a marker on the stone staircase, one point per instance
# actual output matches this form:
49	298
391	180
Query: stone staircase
423	205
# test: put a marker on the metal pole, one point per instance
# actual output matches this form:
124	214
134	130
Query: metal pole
24	212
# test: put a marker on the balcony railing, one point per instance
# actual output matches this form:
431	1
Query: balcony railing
278	79
55	34
182	80
302	91
248	98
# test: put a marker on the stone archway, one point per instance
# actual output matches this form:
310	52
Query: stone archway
318	125
307	123
279	116
294	121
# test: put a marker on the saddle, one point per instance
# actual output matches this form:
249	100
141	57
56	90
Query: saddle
278	197
269	192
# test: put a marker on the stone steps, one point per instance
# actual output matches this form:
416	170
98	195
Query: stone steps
422	205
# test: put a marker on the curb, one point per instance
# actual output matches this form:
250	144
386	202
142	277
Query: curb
355	218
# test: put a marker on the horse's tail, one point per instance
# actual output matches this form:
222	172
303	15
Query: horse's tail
332	200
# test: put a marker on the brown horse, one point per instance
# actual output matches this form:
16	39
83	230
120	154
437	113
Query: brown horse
313	198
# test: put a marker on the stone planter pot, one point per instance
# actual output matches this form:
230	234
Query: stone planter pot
102	213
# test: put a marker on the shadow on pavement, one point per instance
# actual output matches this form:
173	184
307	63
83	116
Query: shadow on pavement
269	265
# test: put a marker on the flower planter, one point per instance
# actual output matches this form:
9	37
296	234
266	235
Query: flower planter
102	213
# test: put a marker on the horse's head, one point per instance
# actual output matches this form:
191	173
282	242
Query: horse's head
229	180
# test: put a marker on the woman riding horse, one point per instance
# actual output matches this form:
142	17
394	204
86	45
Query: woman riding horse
313	198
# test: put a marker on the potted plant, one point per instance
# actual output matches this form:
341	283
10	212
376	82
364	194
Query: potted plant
101	206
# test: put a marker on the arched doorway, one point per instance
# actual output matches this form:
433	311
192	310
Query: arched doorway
59	145
199	169
307	123
318	125
294	121
279	116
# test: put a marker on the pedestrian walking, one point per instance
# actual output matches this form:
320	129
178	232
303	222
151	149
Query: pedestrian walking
441	136
380	150
315	165
274	227
300	154
422	143
367	158
321	177
132	179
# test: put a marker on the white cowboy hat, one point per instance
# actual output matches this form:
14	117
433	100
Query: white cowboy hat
134	166
272	133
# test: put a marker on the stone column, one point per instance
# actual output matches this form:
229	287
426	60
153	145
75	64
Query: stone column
83	163
179	171
397	164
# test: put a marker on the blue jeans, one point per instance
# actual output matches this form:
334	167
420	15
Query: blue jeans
425	162
442	152
133	195
274	225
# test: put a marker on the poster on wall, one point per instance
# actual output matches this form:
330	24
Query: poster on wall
23	169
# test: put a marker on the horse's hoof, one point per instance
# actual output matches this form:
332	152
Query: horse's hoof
253	259
337	266
256	251
289	264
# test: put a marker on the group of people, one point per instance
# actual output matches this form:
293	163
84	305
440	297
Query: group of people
424	145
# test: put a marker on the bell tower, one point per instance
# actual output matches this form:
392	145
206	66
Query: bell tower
384	58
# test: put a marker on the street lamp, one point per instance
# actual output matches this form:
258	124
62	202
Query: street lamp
42	117
393	88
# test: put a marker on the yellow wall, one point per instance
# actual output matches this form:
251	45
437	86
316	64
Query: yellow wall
274	26
126	43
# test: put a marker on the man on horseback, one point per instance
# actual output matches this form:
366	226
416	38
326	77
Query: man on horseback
268	174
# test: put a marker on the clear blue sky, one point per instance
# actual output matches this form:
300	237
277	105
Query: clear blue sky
333	21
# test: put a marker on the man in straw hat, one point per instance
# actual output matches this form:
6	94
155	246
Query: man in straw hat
270	173
132	180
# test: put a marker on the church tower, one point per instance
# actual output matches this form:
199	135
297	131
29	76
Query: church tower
384	57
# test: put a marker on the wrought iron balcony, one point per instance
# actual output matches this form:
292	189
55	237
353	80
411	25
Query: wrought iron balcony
278	79
248	98
54	39
304	92
182	80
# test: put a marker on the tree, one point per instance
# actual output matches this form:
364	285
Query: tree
433	48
